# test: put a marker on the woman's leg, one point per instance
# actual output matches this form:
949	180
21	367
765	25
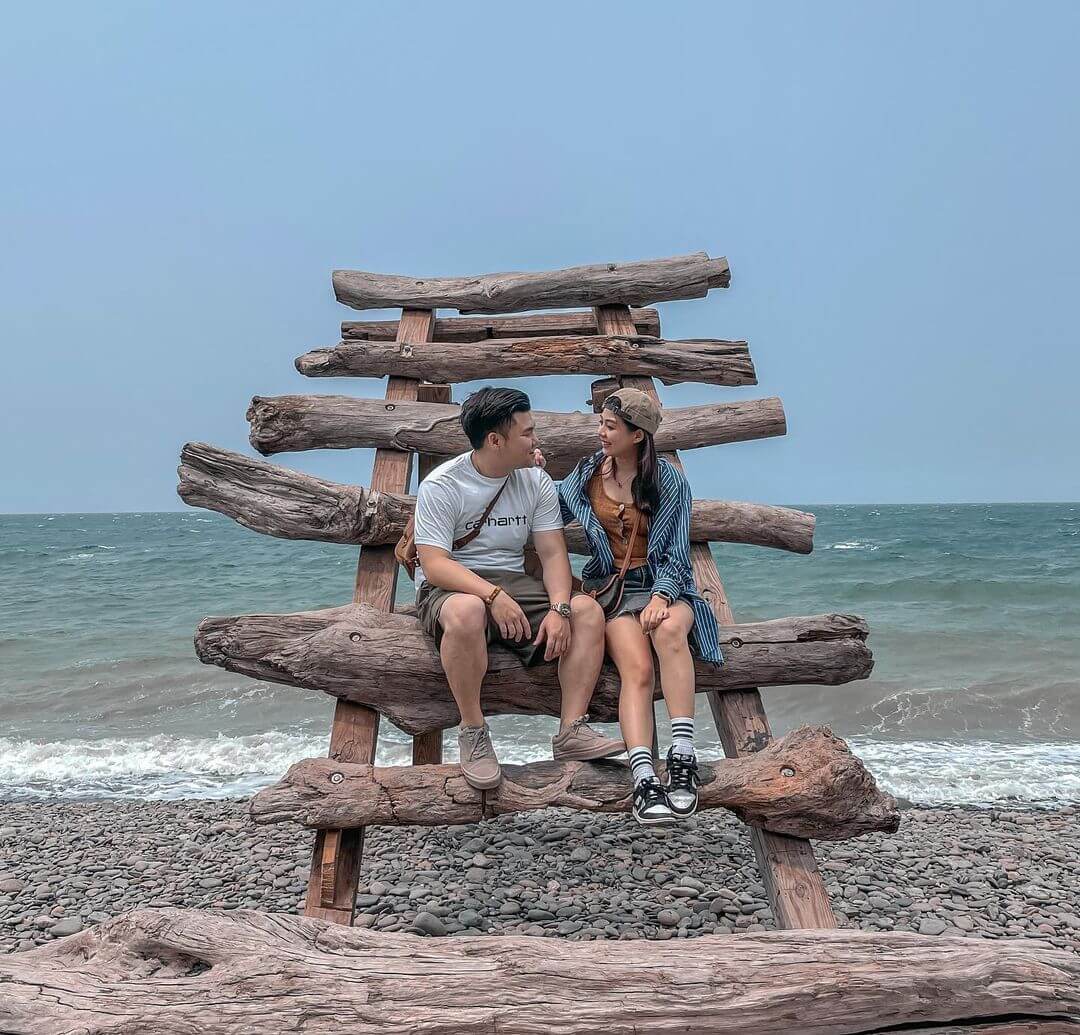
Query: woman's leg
629	650
670	640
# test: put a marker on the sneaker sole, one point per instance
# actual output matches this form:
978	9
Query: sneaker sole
482	785
657	821
587	756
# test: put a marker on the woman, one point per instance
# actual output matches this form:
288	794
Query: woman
661	610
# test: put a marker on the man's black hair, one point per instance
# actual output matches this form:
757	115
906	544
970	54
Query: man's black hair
491	409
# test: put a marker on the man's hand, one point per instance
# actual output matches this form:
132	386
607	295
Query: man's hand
510	618
655	612
555	631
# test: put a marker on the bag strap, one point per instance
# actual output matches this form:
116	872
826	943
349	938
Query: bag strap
466	539
630	546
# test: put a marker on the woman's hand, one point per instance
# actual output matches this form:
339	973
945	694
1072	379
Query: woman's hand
656	611
539	459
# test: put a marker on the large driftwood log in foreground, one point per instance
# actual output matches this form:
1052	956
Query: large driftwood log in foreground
632	283
479	328
292	422
386	662
705	360
289	505
177	972
806	784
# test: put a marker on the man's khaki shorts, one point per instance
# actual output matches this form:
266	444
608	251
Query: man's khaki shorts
531	597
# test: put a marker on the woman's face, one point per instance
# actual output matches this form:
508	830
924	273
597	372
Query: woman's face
617	438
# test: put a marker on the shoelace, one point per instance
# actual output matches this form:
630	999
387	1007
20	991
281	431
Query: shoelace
648	793
479	738
683	773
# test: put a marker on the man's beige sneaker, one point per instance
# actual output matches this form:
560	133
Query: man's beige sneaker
578	743
479	765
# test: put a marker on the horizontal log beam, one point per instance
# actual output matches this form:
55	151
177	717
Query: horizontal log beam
629	283
481	328
703	360
178	971
286	504
385	662
285	423
806	784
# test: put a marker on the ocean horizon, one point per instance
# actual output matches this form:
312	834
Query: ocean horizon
974	699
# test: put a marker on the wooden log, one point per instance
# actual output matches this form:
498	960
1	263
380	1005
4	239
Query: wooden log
806	784
480	328
386	662
704	360
286	504
228	972
632	283
789	871
293	422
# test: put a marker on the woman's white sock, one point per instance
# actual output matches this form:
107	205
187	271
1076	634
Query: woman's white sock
682	735
641	764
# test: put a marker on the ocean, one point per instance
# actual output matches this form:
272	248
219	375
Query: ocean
974	612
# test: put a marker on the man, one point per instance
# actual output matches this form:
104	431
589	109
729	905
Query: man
474	590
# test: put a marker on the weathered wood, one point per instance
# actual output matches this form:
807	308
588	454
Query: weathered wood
704	360
217	972
632	283
286	504
806	784
337	854
386	662
479	328
793	883
294	422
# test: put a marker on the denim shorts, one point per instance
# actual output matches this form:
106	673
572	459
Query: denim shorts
637	591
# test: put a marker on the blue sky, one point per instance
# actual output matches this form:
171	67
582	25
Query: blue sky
894	185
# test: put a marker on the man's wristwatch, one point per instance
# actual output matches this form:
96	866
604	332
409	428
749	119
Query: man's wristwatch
561	609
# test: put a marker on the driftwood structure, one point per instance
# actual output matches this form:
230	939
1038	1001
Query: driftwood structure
372	658
175	972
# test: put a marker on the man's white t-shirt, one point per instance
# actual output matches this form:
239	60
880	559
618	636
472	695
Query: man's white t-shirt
454	496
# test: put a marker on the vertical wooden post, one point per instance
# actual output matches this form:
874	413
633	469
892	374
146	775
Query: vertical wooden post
789	871
337	854
427	748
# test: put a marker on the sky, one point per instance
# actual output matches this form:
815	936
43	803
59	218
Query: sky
894	185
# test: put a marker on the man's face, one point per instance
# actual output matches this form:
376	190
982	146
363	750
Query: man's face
520	440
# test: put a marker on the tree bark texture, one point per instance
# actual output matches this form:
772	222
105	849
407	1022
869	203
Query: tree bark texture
216	972
286	504
631	283
293	422
386	662
806	784
704	360
479	328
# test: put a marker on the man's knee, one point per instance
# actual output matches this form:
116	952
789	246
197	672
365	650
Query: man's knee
463	616
588	615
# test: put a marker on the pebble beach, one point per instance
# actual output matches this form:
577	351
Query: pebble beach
948	871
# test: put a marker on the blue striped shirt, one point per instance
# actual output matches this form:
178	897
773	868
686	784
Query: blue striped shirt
668	551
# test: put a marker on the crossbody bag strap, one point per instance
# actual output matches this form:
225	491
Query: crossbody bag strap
630	546
466	539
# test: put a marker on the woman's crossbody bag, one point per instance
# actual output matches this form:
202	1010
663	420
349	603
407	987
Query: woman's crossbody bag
405	551
609	596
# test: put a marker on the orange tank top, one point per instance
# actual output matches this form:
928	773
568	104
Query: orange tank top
617	520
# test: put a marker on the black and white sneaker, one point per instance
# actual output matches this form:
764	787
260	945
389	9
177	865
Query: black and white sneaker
682	784
650	803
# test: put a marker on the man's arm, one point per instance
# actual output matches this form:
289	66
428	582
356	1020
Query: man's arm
555	630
